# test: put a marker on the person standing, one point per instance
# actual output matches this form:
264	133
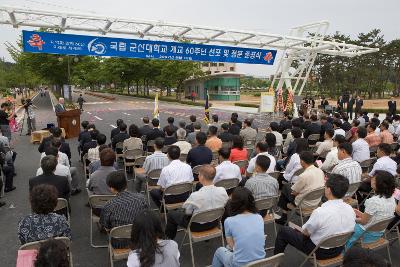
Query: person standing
60	107
392	106
359	104
350	104
193	96
80	102
5	121
31	121
340	104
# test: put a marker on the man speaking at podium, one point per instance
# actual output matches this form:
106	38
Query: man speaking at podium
60	106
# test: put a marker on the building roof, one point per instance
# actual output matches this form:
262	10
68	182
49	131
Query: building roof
227	73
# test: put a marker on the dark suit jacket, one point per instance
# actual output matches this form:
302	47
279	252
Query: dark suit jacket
60	182
145	130
225	137
189	128
88	145
285	124
171	125
359	104
120	137
59	108
114	132
170	140
155	133
392	106
346	126
312	128
234	129
350	104
47	142
340	103
84	137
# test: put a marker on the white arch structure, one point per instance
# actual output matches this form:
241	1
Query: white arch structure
300	47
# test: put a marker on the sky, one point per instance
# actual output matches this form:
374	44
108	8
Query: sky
350	17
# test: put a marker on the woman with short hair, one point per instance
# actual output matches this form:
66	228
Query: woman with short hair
43	223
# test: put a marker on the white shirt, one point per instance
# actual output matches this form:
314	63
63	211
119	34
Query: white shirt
168	255
362	121
292	166
183	146
339	131
61	170
397	131
252	163
227	170
62	158
279	138
384	164
379	208
391	129
360	150
174	173
333	217
208	197
331	160
324	146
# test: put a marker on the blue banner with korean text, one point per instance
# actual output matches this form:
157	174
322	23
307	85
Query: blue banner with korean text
71	44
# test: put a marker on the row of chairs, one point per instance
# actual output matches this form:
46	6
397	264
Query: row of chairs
123	232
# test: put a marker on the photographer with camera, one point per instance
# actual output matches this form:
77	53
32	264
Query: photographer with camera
5	120
30	115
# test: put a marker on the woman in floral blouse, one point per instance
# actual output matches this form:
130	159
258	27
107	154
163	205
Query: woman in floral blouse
43	223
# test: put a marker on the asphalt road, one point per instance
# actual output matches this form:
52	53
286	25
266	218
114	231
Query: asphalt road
104	114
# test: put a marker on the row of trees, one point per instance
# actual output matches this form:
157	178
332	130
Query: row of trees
370	75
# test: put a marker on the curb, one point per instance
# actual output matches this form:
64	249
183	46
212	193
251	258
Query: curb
101	96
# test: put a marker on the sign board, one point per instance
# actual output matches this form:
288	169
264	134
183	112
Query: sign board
267	102
66	89
71	44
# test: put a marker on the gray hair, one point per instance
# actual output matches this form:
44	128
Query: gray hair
181	133
48	164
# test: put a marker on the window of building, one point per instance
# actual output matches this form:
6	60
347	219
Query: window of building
205	64
221	64
232	68
217	71
214	64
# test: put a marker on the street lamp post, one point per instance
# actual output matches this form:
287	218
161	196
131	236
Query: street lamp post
69	75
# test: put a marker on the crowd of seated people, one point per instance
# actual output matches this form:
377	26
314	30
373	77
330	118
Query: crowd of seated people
334	161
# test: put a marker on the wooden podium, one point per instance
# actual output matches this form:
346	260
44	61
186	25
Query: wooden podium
70	120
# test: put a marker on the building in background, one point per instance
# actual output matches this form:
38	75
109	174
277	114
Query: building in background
221	80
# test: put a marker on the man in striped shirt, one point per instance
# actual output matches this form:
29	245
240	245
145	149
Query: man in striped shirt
157	160
261	184
347	166
122	209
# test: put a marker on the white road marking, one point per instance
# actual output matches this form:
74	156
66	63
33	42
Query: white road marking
100	119
88	112
126	113
113	126
96	103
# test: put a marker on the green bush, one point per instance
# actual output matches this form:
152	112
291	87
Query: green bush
247	105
